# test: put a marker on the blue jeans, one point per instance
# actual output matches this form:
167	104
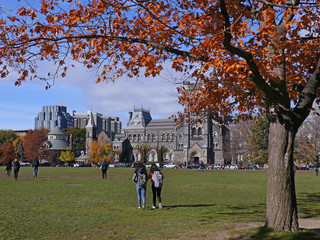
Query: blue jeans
35	171
141	191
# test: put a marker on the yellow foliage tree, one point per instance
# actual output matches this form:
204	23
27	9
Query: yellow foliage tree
67	156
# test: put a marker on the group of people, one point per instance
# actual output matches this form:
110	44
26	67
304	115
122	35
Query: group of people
16	167
141	177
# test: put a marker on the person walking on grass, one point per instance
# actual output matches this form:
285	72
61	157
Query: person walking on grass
8	167
140	177
16	168
104	168
156	177
35	164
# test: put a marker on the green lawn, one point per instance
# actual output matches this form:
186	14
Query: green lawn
76	203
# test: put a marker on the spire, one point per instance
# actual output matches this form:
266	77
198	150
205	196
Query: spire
90	122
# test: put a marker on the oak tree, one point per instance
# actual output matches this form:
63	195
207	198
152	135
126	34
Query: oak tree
33	142
7	152
246	56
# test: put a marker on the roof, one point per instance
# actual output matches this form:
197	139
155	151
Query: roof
57	131
57	144
162	123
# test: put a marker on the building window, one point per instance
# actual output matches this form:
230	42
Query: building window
163	137
180	135
194	132
149	138
153	138
168	137
199	131
215	134
139	137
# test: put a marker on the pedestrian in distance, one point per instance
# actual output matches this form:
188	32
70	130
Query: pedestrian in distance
104	167
35	164
156	177
317	171
140	177
201	168
8	167
16	168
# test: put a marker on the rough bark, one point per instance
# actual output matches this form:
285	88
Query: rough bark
281	196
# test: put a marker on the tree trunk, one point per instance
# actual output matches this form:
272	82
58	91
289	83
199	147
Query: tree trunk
281	197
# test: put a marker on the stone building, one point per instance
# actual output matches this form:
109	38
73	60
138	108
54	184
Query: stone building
191	142
57	142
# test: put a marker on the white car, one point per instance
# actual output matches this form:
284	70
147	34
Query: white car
233	167
169	165
24	163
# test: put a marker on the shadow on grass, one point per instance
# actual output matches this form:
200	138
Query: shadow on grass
309	205
269	234
189	206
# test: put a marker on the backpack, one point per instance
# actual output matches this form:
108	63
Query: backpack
142	181
157	179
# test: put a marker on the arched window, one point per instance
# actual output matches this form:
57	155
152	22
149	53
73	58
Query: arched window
168	137
163	137
134	137
130	137
194	132
149	138
172	139
139	137
199	131
153	137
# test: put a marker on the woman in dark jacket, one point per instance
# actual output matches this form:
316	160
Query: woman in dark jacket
16	168
8	167
156	177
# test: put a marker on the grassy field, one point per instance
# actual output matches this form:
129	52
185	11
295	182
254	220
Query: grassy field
76	203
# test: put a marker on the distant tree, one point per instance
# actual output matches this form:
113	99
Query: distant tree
78	137
307	141
161	152
18	145
258	141
143	150
7	136
67	156
239	135
7	152
33	141
100	150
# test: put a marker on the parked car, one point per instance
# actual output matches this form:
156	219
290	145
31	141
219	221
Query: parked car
169	165
120	164
24	164
45	164
216	166
193	165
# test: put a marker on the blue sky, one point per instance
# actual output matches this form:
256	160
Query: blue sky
19	105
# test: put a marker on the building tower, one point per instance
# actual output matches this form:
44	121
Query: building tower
91	133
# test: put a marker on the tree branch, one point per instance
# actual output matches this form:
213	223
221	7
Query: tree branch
308	95
39	41
247	56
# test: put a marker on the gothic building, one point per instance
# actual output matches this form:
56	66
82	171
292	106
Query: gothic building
191	142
